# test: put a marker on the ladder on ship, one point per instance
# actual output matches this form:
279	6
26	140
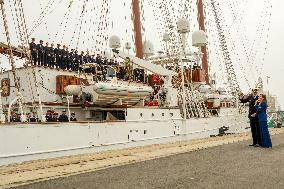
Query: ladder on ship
194	106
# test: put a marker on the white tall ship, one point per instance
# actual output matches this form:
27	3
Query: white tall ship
113	113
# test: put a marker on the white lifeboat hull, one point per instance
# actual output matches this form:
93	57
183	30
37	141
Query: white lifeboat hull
122	90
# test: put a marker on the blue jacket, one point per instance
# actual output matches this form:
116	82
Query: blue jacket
261	111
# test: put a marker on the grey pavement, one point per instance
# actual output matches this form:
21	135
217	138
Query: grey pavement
229	166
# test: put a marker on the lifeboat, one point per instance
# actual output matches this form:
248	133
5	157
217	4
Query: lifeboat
122	90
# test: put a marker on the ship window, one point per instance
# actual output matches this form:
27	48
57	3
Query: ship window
163	114
145	132
141	114
171	114
153	114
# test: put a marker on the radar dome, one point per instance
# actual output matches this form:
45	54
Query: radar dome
183	25
114	42
148	48
199	38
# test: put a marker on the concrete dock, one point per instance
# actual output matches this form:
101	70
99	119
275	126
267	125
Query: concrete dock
233	165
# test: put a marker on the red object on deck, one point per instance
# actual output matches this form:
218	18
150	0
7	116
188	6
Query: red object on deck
63	81
198	75
210	104
187	74
156	103
156	79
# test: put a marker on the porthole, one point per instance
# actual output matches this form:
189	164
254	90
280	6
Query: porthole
163	114
153	114
171	114
141	114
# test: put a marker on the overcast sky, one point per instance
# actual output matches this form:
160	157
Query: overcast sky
273	65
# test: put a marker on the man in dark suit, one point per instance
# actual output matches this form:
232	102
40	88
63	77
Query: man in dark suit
251	99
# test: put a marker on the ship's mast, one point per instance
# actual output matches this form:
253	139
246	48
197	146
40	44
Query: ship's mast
137	28
203	48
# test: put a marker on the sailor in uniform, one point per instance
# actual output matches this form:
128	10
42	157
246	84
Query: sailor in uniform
64	58
40	50
99	60
254	125
48	116
81	60
33	49
55	117
67	54
76	61
58	59
32	117
52	56
71	57
63	117
14	117
47	55
87	58
73	118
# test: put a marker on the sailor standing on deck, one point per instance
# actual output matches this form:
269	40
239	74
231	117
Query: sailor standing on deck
73	118
63	117
52	56
33	49
47	55
58	59
71	58
254	125
40	50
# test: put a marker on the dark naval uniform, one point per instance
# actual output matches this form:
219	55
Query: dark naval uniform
63	118
254	125
40	50
52	56
47	55
64	54
33	49
58	56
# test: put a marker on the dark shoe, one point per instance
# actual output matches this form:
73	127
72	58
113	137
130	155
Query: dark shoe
251	144
256	145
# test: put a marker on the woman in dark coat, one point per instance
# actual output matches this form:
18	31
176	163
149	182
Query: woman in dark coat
261	108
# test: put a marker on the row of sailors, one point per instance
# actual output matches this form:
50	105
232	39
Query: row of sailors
101	72
45	55
50	116
63	59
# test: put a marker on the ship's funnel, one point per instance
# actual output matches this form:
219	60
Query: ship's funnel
183	25
114	42
199	38
72	90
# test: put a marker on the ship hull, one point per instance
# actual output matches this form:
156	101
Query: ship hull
23	142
